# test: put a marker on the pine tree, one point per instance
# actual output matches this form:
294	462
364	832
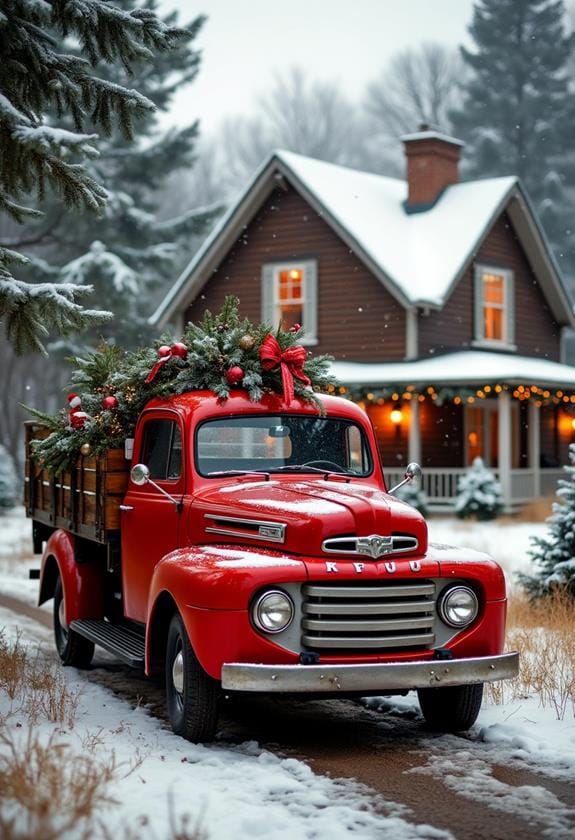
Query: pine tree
9	485
129	240
517	116
478	494
415	496
43	82
554	554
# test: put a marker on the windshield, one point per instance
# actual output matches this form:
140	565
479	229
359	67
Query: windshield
286	443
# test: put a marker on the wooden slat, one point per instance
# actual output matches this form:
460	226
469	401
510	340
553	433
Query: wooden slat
85	500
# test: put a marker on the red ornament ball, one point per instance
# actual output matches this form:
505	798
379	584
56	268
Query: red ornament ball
295	328
164	351
109	403
234	375
179	349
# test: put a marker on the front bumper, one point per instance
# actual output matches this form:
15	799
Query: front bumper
384	677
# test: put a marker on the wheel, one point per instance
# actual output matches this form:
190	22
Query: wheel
192	696
451	709
72	648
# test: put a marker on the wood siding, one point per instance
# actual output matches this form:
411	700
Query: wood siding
358	319
536	331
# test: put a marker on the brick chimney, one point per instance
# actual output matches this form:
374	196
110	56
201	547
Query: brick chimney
432	165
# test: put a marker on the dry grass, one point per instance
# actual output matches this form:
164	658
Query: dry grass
536	511
543	633
36	688
47	791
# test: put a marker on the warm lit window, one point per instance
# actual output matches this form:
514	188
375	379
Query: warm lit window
493	306
289	296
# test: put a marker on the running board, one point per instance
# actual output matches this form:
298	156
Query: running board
124	642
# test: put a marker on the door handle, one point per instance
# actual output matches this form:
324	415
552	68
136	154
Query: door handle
126	507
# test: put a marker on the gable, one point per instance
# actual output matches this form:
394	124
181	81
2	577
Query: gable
536	332
357	319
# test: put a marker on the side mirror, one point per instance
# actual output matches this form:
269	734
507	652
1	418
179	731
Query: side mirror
140	474
412	473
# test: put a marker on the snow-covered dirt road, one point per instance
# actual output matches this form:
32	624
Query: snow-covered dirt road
326	769
492	783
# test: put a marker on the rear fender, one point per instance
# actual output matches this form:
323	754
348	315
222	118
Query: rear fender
81	582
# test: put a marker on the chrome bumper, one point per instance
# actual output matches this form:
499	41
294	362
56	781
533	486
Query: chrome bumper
384	677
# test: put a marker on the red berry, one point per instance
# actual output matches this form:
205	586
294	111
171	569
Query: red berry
234	375
179	349
109	402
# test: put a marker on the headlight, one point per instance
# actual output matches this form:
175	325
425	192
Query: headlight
458	606
273	612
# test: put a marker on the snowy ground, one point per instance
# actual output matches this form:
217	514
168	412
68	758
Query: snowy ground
240	791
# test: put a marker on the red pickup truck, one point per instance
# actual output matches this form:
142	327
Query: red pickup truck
254	547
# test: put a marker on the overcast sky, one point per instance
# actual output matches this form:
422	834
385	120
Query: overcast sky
244	42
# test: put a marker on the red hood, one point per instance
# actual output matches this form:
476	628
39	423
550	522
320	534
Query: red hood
310	512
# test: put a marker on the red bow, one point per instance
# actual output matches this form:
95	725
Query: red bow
291	362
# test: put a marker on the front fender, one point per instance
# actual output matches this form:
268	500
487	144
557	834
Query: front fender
211	588
81	582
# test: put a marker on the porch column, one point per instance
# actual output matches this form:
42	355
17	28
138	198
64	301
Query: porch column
414	441
534	446
504	446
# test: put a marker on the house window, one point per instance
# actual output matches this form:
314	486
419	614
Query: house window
289	296
493	306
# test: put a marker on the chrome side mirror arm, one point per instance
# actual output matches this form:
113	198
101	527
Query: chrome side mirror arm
140	475
412	473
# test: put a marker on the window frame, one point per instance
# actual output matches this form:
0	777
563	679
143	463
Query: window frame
171	417
270	301
508	307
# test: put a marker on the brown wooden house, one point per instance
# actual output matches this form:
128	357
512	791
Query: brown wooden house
440	301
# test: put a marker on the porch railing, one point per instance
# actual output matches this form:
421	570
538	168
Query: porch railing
440	484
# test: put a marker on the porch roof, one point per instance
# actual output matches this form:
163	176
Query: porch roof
464	367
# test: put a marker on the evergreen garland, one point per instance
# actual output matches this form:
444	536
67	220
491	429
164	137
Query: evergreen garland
554	554
220	348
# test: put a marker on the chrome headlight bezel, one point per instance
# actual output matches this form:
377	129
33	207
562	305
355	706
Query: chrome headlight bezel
448	605
266	600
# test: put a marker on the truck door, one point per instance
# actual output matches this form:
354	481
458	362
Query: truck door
151	525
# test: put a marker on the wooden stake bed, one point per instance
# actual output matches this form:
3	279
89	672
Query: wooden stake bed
84	500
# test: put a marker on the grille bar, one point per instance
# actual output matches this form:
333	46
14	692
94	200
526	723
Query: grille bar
367	608
361	643
417	590
356	617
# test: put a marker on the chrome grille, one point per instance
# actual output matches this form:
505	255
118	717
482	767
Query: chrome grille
368	617
375	545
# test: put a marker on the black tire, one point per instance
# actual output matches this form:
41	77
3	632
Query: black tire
451	709
192	696
72	648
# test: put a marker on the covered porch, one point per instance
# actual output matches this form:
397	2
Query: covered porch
517	413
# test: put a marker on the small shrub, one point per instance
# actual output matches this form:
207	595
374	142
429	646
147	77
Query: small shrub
479	494
415	496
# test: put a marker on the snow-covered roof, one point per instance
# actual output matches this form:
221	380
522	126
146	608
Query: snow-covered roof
462	367
418	257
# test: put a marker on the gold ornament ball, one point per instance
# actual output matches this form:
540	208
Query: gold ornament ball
85	449
247	342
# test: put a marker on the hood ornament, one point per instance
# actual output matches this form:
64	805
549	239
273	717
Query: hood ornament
374	546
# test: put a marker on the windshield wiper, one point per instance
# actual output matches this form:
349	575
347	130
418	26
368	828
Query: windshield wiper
238	472
306	468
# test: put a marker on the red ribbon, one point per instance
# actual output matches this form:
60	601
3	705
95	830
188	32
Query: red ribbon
291	362
152	374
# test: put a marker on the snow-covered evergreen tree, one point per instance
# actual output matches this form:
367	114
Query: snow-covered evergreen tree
52	97
129	233
9	484
517	116
478	493
554	554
